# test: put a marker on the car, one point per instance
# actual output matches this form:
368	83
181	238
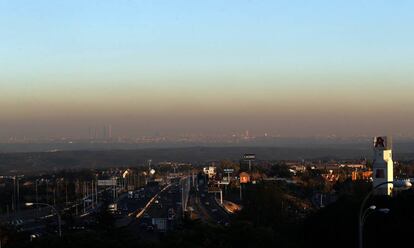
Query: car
207	203
214	210
16	222
150	228
34	236
78	228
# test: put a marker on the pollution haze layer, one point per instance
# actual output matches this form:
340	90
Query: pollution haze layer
295	68
335	144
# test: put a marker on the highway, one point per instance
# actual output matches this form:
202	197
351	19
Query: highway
215	211
206	208
162	213
150	209
131	204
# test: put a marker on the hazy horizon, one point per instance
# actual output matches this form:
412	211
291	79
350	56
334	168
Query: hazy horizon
293	68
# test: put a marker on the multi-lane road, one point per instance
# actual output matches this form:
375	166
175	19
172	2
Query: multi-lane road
162	212
158	208
205	206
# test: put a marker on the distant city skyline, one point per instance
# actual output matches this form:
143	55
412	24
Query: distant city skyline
105	134
295	68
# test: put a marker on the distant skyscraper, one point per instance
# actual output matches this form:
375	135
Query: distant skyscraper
92	133
104	133
110	131
383	165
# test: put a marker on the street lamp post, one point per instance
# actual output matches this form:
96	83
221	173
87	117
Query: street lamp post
29	204
373	209
363	213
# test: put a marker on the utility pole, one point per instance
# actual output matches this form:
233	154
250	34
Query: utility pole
193	179
54	196
66	193
182	197
92	195
18	195
84	202
55	190
37	196
114	192
149	164
241	196
47	190
321	204
96	193
14	195
87	194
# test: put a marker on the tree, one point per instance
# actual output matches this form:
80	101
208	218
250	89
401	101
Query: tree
280	170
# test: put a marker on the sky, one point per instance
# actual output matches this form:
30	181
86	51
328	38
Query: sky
292	68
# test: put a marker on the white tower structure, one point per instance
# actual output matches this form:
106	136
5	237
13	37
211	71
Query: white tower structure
383	165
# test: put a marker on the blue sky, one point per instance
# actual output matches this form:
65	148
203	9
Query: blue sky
220	57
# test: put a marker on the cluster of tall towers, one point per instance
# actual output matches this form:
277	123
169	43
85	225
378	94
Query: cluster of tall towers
100	133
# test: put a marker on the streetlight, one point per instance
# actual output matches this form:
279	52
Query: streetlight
363	214
373	209
29	204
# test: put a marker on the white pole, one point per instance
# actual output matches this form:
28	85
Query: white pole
92	195
182	196
18	195
37	198
96	193
47	190
66	193
14	195
84	202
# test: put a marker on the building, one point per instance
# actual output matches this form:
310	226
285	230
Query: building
331	176
353	166
383	165
361	175
244	177
210	171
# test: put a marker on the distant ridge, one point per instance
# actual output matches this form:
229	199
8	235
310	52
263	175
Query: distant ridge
44	161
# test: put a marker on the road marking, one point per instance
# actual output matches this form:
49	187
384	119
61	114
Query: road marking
151	201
